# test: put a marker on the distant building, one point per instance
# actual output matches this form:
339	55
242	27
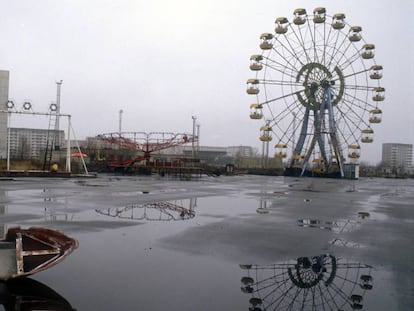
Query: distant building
398	157
26	143
209	154
241	156
4	97
240	151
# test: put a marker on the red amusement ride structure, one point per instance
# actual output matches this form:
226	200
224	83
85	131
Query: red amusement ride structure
147	143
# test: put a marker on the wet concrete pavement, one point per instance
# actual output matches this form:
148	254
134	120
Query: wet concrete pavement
152	243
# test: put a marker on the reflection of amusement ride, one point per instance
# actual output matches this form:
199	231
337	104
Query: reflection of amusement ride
153	211
321	282
147	144
317	88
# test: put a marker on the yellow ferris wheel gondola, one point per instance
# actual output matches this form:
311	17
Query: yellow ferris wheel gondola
256	111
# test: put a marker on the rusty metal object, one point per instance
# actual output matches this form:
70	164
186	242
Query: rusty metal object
27	251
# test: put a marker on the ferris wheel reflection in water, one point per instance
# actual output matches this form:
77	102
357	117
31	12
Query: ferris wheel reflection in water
322	282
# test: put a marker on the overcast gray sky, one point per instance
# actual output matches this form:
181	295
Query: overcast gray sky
164	61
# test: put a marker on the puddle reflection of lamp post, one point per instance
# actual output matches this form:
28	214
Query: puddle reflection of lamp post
3	210
9	105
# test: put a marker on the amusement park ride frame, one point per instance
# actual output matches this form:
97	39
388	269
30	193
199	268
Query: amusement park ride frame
9	112
147	142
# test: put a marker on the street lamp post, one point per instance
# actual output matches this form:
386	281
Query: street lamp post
194	126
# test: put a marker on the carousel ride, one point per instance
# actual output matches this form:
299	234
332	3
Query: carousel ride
145	144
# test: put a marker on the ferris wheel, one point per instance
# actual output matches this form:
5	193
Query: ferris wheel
317	92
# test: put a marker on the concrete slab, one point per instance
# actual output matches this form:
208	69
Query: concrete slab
130	259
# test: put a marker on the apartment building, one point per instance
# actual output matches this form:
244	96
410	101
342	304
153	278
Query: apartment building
27	143
398	156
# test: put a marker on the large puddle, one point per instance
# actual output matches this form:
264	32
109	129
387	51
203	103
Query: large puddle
226	243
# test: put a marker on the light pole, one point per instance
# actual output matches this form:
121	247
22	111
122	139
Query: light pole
120	122
8	140
192	141
57	124
294	133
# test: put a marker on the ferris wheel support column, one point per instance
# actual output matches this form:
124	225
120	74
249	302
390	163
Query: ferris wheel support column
302	135
320	137
320	126
316	138
332	128
310	150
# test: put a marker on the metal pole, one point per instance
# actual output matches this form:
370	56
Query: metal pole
8	140
194	122
263	154
294	134
198	139
120	122
57	141
68	168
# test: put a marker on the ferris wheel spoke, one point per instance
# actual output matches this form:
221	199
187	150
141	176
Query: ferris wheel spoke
278	119
281	136
353	130
354	103
289	50
268	282
324	303
322	35
353	265
294	298
280	116
353	113
346	137
346	282
301	42
341	51
274	290
326	43
355	100
354	74
333	291
287	70
315	54
291	110
275	304
359	87
280	83
349	61
268	101
283	70
334	48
